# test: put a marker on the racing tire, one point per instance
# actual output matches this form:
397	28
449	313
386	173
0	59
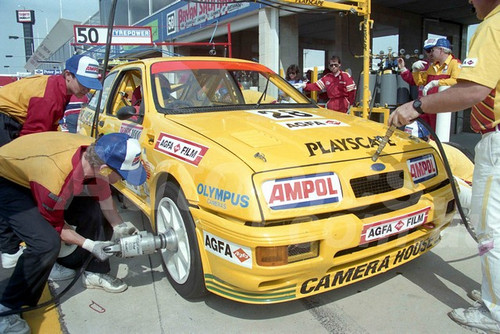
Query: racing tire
466	152
183	266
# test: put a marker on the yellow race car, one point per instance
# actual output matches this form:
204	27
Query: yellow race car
271	198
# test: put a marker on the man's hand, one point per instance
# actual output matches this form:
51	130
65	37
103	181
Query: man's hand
96	248
419	65
404	114
122	230
430	85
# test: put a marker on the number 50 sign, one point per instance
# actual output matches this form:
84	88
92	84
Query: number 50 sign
122	35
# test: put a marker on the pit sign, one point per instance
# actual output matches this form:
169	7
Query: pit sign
122	35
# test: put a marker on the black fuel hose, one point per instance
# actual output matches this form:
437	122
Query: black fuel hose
465	221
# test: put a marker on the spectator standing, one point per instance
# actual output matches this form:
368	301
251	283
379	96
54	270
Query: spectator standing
339	87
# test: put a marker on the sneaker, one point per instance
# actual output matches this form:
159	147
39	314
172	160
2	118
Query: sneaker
477	319
13	324
10	260
103	281
61	273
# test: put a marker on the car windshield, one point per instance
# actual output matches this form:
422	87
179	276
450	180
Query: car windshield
209	85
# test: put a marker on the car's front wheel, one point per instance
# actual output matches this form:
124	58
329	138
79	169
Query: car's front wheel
182	263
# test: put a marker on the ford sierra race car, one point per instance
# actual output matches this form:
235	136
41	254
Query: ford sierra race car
271	197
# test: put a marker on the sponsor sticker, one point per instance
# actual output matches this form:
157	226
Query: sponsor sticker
283	114
309	124
234	253
302	191
422	168
133	131
469	62
180	148
345	276
388	227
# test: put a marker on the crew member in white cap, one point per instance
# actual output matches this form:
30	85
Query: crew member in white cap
41	175
441	70
36	104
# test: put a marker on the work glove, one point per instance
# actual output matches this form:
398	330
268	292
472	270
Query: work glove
419	65
122	230
430	85
97	248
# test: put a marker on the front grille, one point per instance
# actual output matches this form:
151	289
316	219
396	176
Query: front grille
377	184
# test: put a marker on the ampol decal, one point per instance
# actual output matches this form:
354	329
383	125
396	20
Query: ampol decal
422	168
302	191
388	227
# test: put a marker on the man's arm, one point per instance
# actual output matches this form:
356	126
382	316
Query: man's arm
460	96
108	208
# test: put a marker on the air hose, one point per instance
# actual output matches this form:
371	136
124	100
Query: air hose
465	221
55	299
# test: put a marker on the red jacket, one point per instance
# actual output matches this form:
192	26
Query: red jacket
36	102
340	88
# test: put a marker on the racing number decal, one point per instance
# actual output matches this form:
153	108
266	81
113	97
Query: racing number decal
278	114
87	35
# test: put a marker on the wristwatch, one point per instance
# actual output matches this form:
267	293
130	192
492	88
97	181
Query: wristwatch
417	105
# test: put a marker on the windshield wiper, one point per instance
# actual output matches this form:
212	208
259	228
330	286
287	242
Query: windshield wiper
264	93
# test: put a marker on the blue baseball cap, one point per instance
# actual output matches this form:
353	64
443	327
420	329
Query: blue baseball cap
123	154
439	42
86	71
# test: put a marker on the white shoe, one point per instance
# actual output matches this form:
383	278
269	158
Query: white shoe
13	324
61	273
477	319
103	281
10	260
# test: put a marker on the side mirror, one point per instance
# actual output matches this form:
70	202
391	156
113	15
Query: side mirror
126	112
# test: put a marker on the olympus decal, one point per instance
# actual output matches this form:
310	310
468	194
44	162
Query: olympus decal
302	191
180	148
222	198
237	254
343	144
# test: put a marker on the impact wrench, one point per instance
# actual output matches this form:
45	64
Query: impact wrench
143	243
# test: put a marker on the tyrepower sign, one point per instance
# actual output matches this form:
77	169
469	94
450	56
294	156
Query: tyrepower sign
122	35
302	191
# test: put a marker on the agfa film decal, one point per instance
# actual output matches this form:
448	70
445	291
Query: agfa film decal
422	168
180	148
361	271
306	124
388	227
237	254
302	191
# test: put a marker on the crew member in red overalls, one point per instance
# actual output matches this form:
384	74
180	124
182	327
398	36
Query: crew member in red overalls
339	87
